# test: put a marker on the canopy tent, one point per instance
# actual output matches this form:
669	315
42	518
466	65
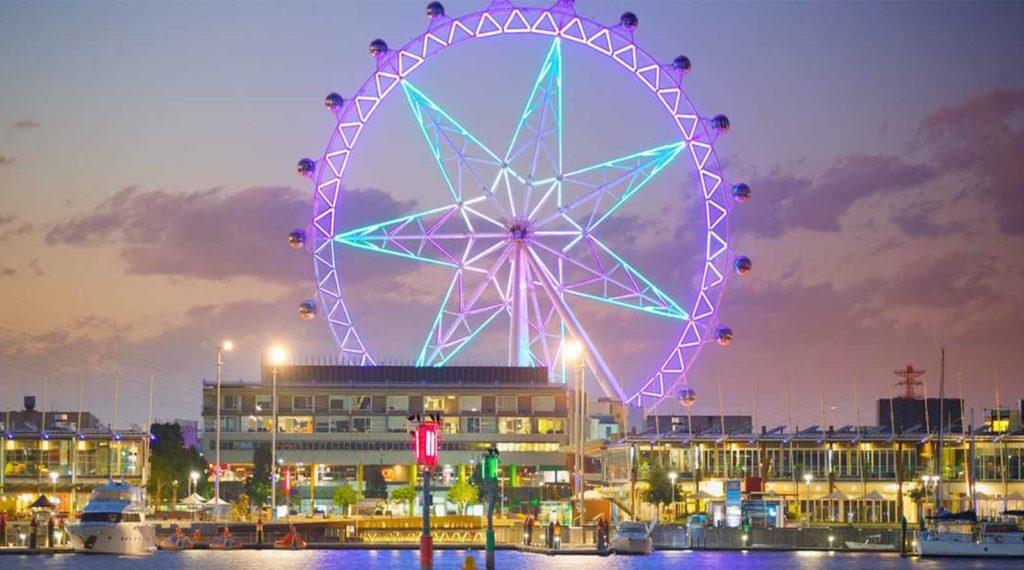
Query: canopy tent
216	501
703	496
42	503
1015	496
836	495
194	499
872	496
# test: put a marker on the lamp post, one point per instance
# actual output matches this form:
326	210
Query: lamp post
193	485
490	466
807	480
223	347
53	478
574	354
278	355
425	446
675	510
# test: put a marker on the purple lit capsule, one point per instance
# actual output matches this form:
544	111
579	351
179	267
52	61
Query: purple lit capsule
742	265
297	239
435	10
629	21
741	192
306	167
681	64
687	397
723	335
307	309
334	102
378	48
720	123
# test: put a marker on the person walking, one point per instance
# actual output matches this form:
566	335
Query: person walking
558	535
33	537
49	532
259	529
550	538
3	529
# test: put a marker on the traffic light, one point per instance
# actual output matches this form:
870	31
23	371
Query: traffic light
490	465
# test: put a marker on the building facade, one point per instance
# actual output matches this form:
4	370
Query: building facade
343	425
64	455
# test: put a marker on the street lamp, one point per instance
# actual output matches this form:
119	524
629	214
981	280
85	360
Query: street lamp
278	356
573	353
193	478
53	478
807	479
226	346
675	510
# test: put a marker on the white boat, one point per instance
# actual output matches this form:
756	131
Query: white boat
961	538
872	542
114	522
632	537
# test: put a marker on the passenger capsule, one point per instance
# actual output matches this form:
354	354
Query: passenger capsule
306	167
378	48
629	21
687	397
742	265
681	64
334	102
741	192
723	335
307	309
297	239
720	123
435	10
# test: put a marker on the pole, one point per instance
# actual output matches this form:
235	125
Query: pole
149	435
113	426
78	428
970	468
216	469
42	422
942	409
492	487
580	435
273	448
426	541
3	437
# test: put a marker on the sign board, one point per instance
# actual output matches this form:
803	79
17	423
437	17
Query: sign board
733	503
425	444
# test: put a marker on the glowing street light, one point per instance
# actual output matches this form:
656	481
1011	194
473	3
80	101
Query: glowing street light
53	478
225	346
807	480
572	352
278	356
193	477
672	477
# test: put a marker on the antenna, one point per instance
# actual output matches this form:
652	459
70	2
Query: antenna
856	409
42	423
753	416
910	381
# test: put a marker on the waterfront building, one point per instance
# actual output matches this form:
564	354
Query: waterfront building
346	425
863	475
64	455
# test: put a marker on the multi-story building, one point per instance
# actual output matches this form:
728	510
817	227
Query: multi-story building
851	474
340	424
64	455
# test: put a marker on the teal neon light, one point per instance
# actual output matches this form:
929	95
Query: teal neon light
421	361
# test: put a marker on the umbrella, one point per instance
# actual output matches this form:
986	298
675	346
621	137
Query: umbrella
872	496
978	495
193	499
1015	496
836	495
703	495
216	501
42	503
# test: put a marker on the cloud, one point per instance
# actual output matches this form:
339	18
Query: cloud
26	124
212	234
7	272
8	229
6	160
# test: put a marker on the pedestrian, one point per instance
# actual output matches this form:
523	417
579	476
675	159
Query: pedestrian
61	534
3	529
32	537
49	532
196	535
550	538
558	535
259	529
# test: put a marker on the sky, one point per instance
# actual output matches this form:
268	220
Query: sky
147	184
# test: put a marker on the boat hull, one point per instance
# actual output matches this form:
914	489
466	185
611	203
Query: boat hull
970	549
132	539
641	546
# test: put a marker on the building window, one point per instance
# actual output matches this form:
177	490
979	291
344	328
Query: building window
361	425
469	404
471	425
542	404
514	425
258	424
338	403
398	404
449	425
304	403
295	424
264	403
231	402
363	403
433	403
549	425
396	424
229	424
507	404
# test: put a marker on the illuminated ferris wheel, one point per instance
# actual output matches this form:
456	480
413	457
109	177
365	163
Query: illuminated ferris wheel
521	233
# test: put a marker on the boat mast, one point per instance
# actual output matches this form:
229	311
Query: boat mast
938	454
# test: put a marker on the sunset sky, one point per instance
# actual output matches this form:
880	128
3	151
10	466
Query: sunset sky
147	184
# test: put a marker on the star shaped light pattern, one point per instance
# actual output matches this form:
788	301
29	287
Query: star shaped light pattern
522	233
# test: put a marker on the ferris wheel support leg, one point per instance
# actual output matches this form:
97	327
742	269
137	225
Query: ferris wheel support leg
591	356
519	339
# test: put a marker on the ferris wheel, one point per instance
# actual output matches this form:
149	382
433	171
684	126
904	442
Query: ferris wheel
521	233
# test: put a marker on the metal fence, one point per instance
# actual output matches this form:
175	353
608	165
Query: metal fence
671	536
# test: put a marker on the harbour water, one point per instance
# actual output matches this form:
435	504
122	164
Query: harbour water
506	560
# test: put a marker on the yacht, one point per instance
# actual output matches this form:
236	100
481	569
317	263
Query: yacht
632	537
961	535
114	522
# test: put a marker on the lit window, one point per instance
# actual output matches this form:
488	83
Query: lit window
433	403
469	404
549	425
543	404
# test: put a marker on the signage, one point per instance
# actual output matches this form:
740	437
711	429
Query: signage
733	503
425	444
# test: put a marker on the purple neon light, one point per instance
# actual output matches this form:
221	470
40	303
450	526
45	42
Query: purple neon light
615	42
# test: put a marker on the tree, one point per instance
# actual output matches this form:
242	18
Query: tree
659	488
171	461
462	494
376	486
344	497
258	484
405	494
240	509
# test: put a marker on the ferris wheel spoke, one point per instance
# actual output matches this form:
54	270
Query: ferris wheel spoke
589	269
591	355
472	302
591	194
470	169
441	236
536	144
